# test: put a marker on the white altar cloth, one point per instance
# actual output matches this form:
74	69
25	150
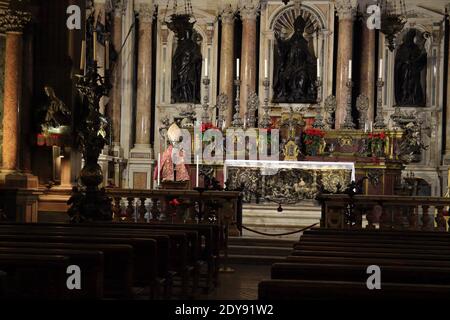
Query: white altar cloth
269	167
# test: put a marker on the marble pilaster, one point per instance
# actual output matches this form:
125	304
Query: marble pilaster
249	11
227	60
368	69
346	10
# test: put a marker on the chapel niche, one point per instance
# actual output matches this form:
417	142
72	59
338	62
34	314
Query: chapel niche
411	70
295	58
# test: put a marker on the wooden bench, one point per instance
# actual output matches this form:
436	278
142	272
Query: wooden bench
90	263
118	263
145	272
34	276
345	290
357	273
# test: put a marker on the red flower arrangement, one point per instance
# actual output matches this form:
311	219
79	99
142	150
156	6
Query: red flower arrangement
312	138
380	136
207	126
174	202
376	143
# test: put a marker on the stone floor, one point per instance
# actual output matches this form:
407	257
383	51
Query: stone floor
241	284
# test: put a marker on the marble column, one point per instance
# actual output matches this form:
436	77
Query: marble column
13	22
249	11
368	70
227	60
140	162
115	96
144	75
346	10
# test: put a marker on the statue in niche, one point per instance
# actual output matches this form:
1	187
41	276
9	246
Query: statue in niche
58	114
186	61
295	70
410	61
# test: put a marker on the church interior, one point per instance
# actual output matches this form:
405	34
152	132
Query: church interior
258	149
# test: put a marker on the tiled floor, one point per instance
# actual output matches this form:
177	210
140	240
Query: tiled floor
241	284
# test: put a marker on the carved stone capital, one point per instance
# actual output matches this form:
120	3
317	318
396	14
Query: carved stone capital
120	7
14	20
249	9
346	9
227	15
146	12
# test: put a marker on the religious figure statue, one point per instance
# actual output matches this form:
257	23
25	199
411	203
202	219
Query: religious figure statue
57	112
169	172
296	68
186	61
410	60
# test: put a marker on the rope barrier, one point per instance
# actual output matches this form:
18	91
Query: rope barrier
280	234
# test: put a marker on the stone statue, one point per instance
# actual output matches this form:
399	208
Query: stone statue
295	69
409	63
186	61
57	112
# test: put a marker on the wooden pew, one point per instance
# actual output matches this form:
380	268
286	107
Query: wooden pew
183	262
90	262
145	272
368	261
208	244
344	247
118	263
2	282
364	255
34	276
344	290
357	273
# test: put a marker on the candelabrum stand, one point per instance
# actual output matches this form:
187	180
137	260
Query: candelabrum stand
379	119
89	203
237	121
318	121
205	106
265	120
348	122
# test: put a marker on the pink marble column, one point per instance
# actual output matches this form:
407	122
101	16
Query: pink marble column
116	98
14	22
144	75
368	70
249	11
346	10
227	60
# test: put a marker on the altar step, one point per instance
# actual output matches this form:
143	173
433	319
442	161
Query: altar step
266	219
245	250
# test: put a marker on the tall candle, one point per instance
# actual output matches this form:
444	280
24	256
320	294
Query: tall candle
159	169
380	70
83	55
197	173
95	46
349	69
318	68
266	69
206	67
107	54
237	69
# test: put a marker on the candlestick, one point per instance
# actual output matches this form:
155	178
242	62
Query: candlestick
349	69
83	55
159	169
348	122
197	172
205	106
266	121
237	69
266	69
206	67
379	119
237	122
